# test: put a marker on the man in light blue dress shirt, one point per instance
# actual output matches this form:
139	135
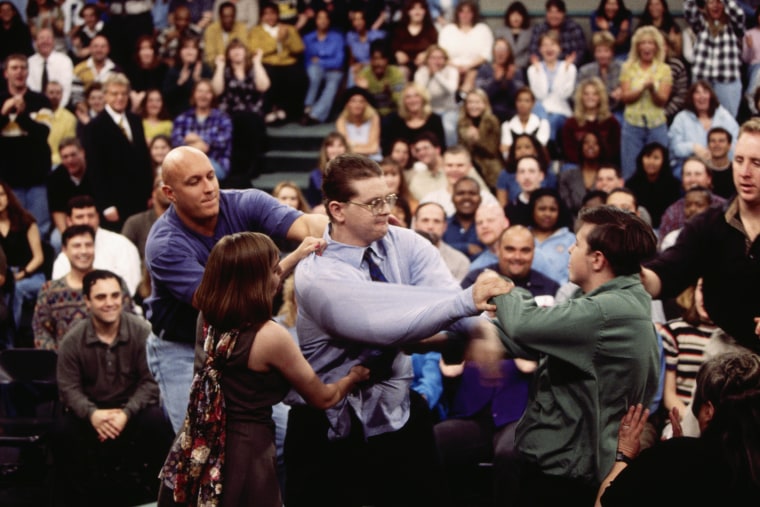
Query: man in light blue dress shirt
376	446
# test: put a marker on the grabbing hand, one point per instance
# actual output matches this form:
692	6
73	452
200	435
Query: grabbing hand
310	244
359	372
630	430
488	285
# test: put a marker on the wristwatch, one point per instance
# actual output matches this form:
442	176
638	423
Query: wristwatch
622	457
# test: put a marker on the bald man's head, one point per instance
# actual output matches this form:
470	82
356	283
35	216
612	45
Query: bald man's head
190	184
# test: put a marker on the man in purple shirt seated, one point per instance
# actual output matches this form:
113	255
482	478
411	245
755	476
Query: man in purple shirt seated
176	252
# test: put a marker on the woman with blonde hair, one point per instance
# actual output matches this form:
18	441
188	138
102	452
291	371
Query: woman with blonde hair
645	84
224	454
441	80
480	132
590	114
289	193
359	123
414	116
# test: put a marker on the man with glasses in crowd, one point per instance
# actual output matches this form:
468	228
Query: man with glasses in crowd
375	447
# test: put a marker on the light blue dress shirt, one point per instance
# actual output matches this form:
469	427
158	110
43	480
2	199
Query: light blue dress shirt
344	317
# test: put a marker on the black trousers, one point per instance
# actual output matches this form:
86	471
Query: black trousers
394	469
122	471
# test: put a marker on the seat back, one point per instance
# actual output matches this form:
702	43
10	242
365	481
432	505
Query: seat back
28	365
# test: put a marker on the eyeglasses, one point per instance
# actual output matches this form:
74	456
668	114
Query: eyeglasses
377	206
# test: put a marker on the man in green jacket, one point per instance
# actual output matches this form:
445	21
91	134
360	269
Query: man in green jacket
597	355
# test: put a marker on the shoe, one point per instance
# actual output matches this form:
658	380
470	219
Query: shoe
280	114
270	118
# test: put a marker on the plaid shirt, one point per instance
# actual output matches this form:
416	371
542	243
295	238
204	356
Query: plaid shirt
716	58
571	37
216	131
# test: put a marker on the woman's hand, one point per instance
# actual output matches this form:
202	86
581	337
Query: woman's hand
630	430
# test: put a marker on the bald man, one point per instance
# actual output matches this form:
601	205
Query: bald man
490	222
176	252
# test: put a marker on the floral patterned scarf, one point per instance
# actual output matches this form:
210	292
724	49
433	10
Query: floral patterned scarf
194	466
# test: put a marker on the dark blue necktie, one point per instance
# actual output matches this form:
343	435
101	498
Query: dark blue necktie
381	360
374	270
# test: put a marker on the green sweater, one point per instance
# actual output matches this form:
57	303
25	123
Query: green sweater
597	354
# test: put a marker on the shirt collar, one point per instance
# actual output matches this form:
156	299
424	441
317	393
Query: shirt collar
353	255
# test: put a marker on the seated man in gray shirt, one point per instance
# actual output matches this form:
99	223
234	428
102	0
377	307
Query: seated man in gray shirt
111	402
374	289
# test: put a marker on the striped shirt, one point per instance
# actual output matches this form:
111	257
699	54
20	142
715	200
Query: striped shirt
684	347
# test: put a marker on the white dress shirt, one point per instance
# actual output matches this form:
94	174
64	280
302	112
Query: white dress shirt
59	69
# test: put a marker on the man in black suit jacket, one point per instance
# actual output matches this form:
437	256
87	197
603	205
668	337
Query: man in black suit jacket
117	157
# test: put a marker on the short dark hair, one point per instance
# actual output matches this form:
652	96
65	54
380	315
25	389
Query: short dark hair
614	167
624	190
726	375
519	8
379	46
76	230
721	130
225	5
429	203
79	202
269	5
428	136
69	141
593	194
340	174
624	239
92	278
559	4
706	192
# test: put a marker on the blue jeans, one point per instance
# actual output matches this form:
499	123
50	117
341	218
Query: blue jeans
729	95
34	200
633	139
321	104
25	289
171	364
449	120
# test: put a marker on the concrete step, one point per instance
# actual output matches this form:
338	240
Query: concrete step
292	161
293	136
268	181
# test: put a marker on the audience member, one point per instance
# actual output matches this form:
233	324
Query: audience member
695	200
552	81
260	362
719	28
205	128
384	82
653	184
523	145
517	32
21	242
396	181
479	132
550	224
155	116
490	222
529	175
722	460
606	333
359	122
645	83
229	27
289	193
109	411
614	17
695	174
46	14
240	81
170	39
359	40
525	121
681	78
146	71
605	67
657	13
48	64
720	245
15	36
461	233
384	418
457	163
412	35
574	183
281	47
82	33
159	147
117	157
591	113
181	78
91	105
719	142
688	132
441	79
63	123
70	178
572	40
177	250
413	118
324	56
401	152
430	218
501	79
468	41
96	68
333	144
23	141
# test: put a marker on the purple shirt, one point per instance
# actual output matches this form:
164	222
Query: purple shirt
176	256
